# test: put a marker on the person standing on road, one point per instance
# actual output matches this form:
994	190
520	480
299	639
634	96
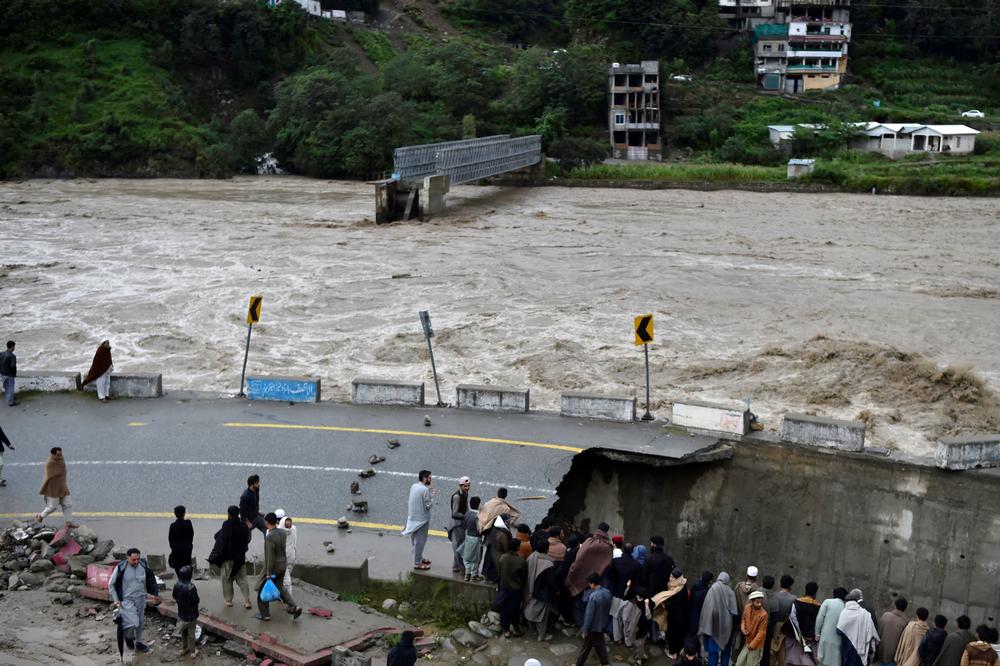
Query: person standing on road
893	623
456	533
291	544
418	517
250	505
718	615
954	645
230	554
131	585
181	539
54	488
753	626
275	563
595	619
100	371
4	441
186	596
472	546
8	372
826	628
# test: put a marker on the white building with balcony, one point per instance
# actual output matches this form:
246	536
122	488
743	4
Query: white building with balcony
634	110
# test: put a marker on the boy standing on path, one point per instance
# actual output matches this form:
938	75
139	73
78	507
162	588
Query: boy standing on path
8	372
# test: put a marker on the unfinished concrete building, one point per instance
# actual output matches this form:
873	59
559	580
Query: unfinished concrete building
634	110
801	46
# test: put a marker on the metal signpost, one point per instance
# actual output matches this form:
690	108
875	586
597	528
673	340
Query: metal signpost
643	336
253	316
425	321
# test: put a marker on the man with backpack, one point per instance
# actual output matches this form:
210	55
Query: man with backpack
131	585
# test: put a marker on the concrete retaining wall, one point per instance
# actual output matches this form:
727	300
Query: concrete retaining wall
472	598
285	389
139	385
968	452
492	398
731	418
369	391
341	579
594	406
887	527
47	380
820	431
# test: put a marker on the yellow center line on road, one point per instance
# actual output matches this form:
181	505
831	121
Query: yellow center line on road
409	433
221	516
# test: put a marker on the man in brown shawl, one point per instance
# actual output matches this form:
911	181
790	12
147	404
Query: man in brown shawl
100	371
594	557
497	506
54	488
539	592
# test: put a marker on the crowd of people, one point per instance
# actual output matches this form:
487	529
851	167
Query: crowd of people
636	594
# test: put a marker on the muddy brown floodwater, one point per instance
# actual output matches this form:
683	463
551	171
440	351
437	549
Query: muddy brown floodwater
844	305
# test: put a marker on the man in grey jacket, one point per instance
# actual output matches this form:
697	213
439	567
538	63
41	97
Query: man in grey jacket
456	532
595	619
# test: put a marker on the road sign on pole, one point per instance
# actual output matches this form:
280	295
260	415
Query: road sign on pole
425	322
253	316
253	312
643	329
643	336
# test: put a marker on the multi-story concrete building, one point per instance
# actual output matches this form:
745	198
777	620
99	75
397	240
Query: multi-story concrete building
803	46
634	110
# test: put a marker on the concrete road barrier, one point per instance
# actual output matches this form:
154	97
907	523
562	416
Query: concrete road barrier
140	385
47	380
968	452
371	391
283	389
823	432
595	406
492	398
336	578
732	418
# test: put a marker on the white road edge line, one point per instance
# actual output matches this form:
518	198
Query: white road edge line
303	468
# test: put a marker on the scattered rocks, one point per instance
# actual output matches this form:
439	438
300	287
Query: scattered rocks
466	638
389	604
41	565
355	488
359	506
367	473
102	549
64	599
405	607
392	443
448	645
32	579
427	421
481	659
374	460
13	582
85	535
342	523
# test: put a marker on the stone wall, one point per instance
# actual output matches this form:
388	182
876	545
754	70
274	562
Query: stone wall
890	528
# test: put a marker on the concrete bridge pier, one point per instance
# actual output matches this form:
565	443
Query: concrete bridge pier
435	187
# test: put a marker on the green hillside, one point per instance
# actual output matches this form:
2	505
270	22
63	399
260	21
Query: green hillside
201	87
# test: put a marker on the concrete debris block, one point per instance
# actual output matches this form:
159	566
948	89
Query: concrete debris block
234	648
491	619
393	443
355	488
102	549
485	632
13	564
13	582
342	523
32	579
563	649
367	473
84	534
389	604
41	565
448	645
427	421
374	459
466	638
330	548
359	506
405	607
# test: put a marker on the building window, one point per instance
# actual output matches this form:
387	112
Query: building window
619	119
958	142
767	47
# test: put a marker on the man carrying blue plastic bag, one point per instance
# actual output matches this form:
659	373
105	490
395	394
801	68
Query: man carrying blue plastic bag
273	574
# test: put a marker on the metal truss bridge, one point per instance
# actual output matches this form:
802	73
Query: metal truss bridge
466	160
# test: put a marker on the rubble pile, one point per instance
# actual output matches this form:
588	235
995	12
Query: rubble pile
35	556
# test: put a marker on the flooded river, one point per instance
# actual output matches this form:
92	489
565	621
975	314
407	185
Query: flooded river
843	305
